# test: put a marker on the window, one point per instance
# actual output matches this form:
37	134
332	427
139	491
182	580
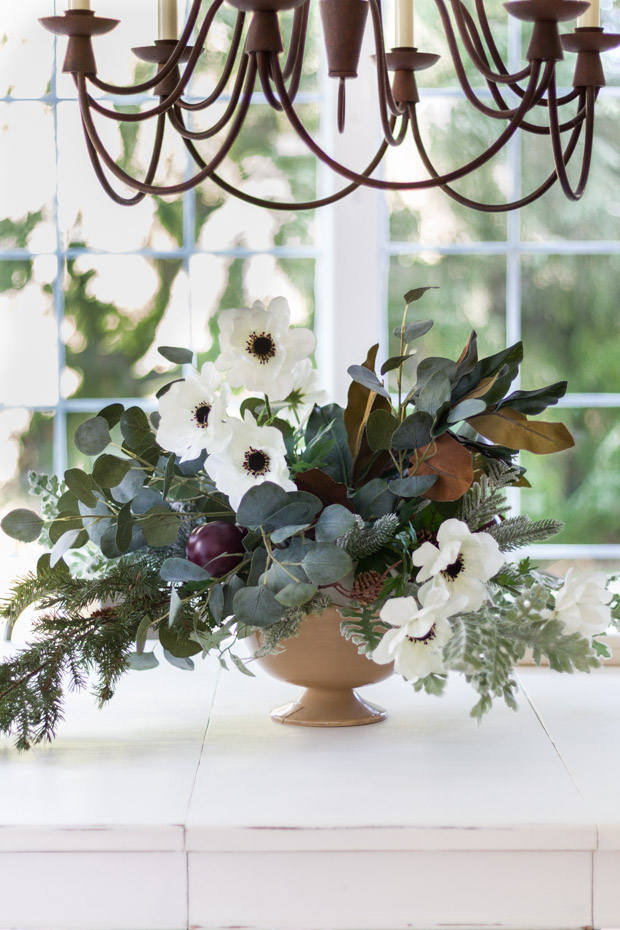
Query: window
88	289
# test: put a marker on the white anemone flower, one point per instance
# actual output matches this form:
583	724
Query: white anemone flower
460	562
259	349
582	603
415	645
193	415
305	392
253	455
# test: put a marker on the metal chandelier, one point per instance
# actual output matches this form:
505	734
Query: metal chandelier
254	64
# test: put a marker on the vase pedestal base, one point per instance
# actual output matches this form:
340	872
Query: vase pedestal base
318	707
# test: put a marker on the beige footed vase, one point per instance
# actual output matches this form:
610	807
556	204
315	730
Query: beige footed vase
329	667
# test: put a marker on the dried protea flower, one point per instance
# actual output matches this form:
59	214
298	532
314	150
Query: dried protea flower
367	587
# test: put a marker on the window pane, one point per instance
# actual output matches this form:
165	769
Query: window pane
471	295
453	135
118	310
581	486
596	214
570	321
218	283
26	50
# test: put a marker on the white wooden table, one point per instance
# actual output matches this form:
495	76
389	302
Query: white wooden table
182	805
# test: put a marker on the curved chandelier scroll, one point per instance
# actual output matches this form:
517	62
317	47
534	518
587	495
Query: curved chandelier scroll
254	64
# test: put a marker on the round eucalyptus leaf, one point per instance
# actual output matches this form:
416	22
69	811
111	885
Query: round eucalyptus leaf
335	521
180	570
92	436
325	564
256	606
176	643
259	503
294	595
183	662
176	355
109	470
142	661
24	525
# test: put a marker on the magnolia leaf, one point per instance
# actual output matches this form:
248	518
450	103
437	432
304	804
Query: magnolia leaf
285	532
367	379
259	503
24	525
412	486
416	292
325	564
482	389
176	643
141	661
112	414
109	470
413	330
179	570
380	428
296	594
256	606
469	356
62	545
395	362
81	486
510	428
487	367
160	526
93	436
374	499
451	464
324	487
337	463
176	355
183	662
335	521
414	432
360	400
467	408
535	401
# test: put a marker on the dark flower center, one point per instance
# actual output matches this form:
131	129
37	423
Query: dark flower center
261	346
201	413
256	462
451	571
427	638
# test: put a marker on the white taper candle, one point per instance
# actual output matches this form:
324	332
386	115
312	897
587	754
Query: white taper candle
79	4
168	19
404	23
592	16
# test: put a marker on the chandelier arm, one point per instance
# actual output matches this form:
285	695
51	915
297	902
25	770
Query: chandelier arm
176	114
172	62
386	98
493	207
228	67
277	205
188	184
462	76
293	65
100	174
475	48
473	165
264	61
492	46
556	142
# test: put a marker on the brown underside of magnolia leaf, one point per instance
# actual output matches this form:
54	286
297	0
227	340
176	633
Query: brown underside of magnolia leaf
451	462
324	487
510	428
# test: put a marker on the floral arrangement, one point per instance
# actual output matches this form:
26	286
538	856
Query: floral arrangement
214	519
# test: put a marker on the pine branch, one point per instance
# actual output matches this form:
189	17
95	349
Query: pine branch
362	541
516	532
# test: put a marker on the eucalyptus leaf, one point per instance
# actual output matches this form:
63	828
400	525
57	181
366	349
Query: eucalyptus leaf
179	570
374	499
416	292
92	436
296	594
257	606
146	499
96	520
325	564
435	392
240	665
301	507
259	503
81	486
413	330
395	362
130	486
216	602
136	428
109	470
414	432
24	525
285	532
168	474
257	566
183	662
141	661
367	379
413	485
334	521
380	428
176	355
160	526
64	521
143	628
165	388
112	414
177	644
124	527
62	545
